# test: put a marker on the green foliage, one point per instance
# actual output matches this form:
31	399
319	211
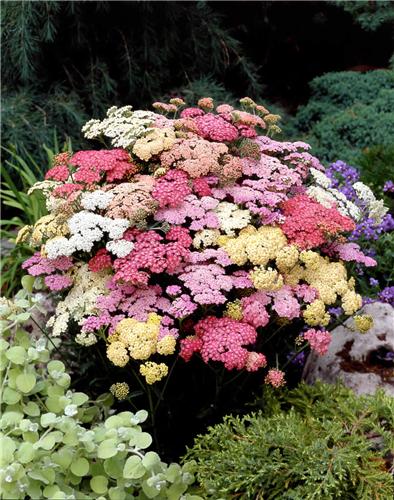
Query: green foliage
313	442
58	444
369	15
348	112
19	173
29	119
376	164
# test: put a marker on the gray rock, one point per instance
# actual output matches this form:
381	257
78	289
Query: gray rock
359	360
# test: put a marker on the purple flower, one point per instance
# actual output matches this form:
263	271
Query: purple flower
388	187
335	311
387	223
298	360
387	295
343	176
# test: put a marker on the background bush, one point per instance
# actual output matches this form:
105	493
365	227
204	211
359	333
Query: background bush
347	113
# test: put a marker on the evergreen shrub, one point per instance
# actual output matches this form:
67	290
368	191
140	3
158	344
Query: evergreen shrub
313	442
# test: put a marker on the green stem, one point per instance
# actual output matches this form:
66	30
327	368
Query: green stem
152	417
46	335
103	361
165	385
5	377
273	334
241	372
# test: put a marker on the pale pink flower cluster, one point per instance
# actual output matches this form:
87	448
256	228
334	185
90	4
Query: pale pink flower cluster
319	340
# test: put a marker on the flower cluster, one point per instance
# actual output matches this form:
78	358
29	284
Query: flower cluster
197	234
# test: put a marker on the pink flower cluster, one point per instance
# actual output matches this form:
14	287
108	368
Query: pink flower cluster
215	128
151	256
319	340
171	189
223	340
91	165
38	265
351	252
88	167
275	377
308	224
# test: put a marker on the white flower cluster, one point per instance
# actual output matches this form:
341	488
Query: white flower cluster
122	125
364	192
329	197
80	301
376	208
231	217
120	248
320	178
86	228
96	200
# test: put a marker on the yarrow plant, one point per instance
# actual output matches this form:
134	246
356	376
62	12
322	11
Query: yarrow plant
197	234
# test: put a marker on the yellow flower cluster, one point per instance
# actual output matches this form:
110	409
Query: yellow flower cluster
287	258
154	142
315	314
117	353
120	390
166	345
139	340
329	279
153	372
351	302
266	279
363	322
268	244
234	310
47	227
139	337
257	246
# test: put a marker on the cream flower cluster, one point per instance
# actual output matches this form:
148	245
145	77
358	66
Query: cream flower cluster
154	142
122	125
376	208
79	302
231	217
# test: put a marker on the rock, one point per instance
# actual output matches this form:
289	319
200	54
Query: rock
364	362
